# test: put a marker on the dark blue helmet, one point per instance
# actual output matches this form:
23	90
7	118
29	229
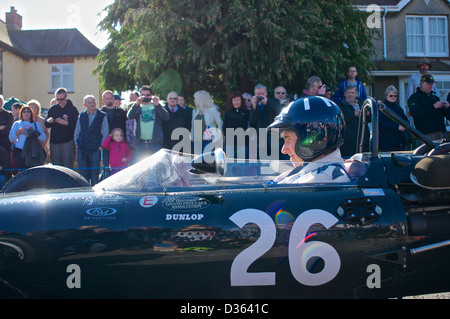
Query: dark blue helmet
318	123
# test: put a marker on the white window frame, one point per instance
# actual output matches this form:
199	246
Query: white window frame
426	35
68	86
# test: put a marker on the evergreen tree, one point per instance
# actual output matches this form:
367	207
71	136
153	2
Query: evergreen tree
222	45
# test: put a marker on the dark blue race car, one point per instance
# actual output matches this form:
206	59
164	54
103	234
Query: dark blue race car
178	226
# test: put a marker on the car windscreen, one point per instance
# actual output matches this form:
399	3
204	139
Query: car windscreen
171	169
166	169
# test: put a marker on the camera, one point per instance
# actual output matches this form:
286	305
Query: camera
260	98
147	99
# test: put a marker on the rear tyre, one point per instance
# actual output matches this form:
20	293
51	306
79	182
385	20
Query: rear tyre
44	177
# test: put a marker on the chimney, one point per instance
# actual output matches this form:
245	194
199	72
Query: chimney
13	20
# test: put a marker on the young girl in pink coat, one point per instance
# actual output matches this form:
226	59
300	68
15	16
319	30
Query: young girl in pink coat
119	152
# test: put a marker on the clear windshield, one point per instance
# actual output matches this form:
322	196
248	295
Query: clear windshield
170	169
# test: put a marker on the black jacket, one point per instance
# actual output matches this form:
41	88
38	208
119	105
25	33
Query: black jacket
264	115
349	147
62	133
33	153
117	118
391	139
180	119
427	119
6	119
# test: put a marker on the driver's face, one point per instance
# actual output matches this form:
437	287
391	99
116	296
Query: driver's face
290	138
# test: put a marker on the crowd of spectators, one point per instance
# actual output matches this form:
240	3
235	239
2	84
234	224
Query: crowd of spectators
103	139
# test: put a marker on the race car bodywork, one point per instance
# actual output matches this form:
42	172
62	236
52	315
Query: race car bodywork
170	228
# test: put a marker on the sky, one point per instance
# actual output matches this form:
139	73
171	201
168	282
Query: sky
83	15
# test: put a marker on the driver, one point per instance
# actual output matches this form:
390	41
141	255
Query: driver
312	129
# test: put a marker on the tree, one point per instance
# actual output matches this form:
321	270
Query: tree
222	45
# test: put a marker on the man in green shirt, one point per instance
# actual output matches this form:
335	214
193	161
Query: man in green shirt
149	116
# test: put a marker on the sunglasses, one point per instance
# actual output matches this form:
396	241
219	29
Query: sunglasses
392	95
280	92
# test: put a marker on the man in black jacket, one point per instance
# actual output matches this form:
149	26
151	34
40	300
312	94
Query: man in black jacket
262	114
178	118
428	111
62	119
6	122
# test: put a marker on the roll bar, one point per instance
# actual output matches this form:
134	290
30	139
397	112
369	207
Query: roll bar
373	107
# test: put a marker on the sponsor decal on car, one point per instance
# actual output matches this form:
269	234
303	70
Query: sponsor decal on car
103	213
185	203
148	201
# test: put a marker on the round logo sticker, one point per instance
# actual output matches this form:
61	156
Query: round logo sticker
148	201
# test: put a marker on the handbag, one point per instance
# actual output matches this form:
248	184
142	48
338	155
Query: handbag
33	153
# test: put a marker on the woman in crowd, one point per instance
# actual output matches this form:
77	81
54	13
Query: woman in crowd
21	130
206	121
236	118
393	137
36	107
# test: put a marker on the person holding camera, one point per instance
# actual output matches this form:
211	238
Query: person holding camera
149	115
262	114
313	87
281	94
428	111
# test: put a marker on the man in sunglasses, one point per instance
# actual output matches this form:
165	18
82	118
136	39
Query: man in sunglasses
281	95
179	117
62	119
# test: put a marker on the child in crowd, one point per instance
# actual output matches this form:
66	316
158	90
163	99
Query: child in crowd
119	152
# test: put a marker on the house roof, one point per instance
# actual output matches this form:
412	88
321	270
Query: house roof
46	43
437	66
51	43
377	2
389	5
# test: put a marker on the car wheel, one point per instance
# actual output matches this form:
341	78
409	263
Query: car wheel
44	177
34	252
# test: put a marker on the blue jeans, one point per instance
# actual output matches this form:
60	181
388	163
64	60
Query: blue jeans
89	165
144	150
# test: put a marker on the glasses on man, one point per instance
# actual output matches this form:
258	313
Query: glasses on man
280	92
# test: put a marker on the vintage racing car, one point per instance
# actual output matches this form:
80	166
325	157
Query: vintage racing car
175	226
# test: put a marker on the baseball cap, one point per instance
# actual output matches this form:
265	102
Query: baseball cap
427	78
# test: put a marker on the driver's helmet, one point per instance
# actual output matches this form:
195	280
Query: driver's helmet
318	123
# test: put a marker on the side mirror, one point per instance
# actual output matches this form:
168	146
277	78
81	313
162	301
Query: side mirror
214	163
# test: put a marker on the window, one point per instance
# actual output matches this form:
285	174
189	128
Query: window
426	36
61	75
